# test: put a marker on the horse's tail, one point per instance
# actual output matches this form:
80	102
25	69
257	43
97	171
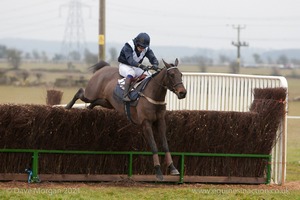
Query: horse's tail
98	66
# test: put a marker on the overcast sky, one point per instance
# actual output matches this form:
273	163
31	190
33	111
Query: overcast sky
271	24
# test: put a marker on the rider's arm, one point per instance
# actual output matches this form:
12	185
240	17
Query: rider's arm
151	57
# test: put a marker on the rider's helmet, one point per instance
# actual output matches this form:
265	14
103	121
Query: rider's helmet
142	40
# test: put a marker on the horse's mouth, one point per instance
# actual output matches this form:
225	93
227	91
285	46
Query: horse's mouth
181	95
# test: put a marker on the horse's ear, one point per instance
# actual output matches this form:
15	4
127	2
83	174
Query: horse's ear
166	64
176	62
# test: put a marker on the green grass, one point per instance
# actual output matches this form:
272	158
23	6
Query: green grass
147	192
293	143
294	88
32	95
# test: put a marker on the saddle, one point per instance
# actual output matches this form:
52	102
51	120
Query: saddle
137	86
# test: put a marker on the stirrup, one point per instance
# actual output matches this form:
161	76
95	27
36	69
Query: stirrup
126	98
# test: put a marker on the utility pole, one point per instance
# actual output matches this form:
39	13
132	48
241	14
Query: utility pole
239	44
101	37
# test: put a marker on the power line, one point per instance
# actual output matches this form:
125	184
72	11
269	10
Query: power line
24	12
148	11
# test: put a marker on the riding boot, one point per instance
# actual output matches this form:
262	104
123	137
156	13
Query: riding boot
126	89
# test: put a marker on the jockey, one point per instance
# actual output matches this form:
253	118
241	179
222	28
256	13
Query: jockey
131	58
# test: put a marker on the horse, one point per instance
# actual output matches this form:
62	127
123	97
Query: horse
150	109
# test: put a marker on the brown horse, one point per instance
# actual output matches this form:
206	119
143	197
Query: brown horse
150	110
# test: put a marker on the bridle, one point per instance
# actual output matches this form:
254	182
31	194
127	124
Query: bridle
174	85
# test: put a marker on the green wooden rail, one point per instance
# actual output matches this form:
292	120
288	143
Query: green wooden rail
130	154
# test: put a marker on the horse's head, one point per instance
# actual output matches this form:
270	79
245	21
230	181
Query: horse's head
174	80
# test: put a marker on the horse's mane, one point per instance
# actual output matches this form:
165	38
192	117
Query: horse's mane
98	66
156	73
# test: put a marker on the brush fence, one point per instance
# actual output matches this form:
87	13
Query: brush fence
214	92
233	92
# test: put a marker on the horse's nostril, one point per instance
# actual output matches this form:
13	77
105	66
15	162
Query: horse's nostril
182	94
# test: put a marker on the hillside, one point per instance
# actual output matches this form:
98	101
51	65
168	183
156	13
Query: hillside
166	52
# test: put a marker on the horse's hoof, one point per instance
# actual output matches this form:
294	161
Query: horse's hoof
158	172
68	106
174	172
159	177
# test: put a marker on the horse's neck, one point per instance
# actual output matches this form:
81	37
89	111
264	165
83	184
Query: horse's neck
157	86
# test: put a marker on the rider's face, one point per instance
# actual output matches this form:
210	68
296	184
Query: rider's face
140	48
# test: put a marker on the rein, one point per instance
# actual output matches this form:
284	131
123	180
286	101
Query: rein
164	86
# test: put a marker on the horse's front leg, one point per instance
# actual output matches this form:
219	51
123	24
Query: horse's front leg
148	132
161	127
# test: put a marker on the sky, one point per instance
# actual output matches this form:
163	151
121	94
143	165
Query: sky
269	24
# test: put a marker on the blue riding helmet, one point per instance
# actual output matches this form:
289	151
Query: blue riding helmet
142	40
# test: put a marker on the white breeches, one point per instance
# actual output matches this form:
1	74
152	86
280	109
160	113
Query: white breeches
126	70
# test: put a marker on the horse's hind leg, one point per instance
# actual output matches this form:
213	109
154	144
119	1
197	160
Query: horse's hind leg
100	102
79	95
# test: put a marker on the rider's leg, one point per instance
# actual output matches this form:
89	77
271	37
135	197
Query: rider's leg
128	81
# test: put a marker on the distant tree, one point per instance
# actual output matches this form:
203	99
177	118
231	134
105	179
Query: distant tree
295	61
14	57
38	77
44	56
70	66
113	54
36	55
90	58
24	74
204	62
257	58
196	59
270	60
3	52
224	59
283	59
75	55
27	56
58	57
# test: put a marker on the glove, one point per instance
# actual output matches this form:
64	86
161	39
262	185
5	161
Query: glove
154	67
143	67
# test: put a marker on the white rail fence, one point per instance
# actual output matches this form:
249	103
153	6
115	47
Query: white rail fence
231	92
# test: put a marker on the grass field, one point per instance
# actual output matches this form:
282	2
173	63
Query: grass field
37	95
146	191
